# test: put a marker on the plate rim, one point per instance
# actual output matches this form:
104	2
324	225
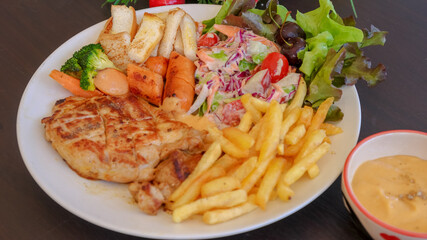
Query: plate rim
111	227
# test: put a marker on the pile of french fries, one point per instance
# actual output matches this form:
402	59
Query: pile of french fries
257	161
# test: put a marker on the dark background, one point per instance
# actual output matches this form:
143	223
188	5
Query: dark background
32	29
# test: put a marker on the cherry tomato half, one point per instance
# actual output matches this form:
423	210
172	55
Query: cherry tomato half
208	40
277	65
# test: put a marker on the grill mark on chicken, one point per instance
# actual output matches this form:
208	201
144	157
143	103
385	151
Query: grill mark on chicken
119	139
170	173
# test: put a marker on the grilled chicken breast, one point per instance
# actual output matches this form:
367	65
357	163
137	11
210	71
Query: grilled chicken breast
119	139
170	173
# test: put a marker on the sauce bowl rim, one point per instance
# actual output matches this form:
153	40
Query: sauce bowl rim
352	196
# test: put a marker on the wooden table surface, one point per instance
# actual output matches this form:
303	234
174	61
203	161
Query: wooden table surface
32	29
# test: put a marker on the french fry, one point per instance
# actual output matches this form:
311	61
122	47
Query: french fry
295	134
231	149
261	134
219	185
269	147
172	23
256	115
269	181
313	171
299	168
320	115
245	123
194	190
238	137
245	169
284	192
283	106
293	150
273	195
210	156
298	99
288	122
331	129
281	149
222	200
318	119
259	104
223	215
306	116
312	140
226	162
256	129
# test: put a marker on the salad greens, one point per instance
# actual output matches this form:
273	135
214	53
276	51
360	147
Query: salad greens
333	55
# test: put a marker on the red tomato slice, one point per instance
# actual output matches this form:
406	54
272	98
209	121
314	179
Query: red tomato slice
277	65
157	3
208	40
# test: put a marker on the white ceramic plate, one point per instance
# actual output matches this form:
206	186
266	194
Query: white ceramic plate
109	205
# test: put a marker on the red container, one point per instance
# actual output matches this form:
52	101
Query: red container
157	3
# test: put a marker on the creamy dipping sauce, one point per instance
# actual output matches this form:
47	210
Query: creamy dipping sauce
394	189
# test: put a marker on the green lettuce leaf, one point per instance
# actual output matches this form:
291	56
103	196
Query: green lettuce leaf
222	13
246	65
229	7
318	47
220	56
281	11
373	37
321	86
255	23
324	19
334	114
359	68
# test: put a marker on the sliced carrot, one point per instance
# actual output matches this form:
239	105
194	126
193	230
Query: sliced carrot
157	64
72	84
230	31
227	30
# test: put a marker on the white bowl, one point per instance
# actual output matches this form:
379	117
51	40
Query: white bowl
389	143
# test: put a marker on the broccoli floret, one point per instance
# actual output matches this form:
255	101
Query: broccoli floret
96	59
86	81
85	63
72	68
86	49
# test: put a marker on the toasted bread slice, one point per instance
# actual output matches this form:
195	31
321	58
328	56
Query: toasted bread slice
155	50
107	28
149	34
172	23
162	15
115	46
189	37
124	20
178	46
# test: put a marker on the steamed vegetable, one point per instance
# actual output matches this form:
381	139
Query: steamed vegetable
85	63
72	84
